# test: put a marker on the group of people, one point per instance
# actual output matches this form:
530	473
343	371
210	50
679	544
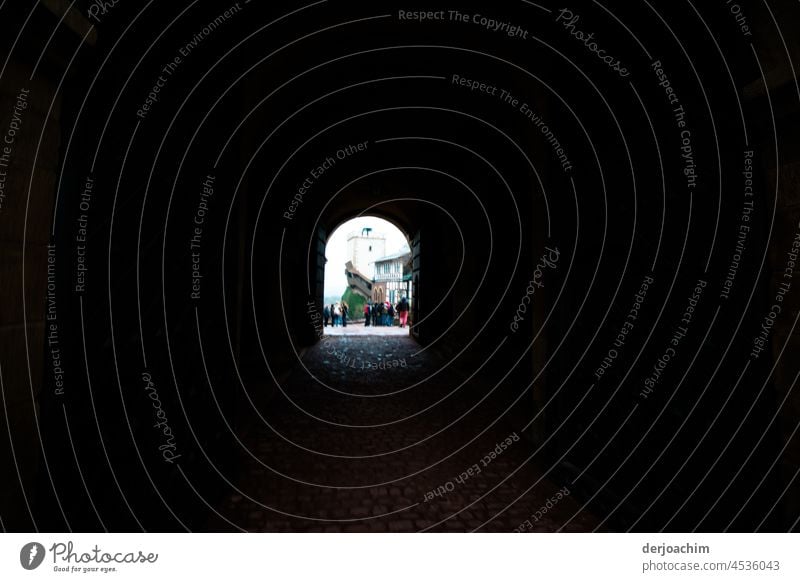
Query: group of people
384	313
376	314
335	314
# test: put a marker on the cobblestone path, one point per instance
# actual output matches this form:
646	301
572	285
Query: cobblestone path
384	440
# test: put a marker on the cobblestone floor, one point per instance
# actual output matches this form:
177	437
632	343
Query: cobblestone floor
362	448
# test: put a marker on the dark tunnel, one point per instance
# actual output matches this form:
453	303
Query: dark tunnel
579	324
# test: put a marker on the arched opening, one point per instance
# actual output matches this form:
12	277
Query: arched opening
368	279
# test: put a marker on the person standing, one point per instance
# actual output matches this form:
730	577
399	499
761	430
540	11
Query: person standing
366	315
337	315
344	314
326	315
390	314
402	311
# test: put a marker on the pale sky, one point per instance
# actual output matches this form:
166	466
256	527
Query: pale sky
336	251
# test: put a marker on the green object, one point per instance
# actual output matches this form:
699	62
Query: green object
355	304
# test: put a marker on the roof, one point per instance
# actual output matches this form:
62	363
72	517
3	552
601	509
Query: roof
400	255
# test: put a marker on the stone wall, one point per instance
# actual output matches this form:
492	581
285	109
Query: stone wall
783	186
25	220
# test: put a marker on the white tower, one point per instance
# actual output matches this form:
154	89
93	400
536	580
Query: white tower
363	247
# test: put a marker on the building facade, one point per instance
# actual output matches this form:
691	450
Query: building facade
392	278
